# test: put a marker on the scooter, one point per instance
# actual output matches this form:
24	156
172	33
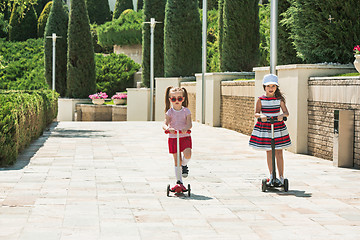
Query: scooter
178	188
274	182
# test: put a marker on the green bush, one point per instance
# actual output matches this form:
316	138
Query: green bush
43	19
120	6
126	30
315	38
98	10
4	26
264	47
23	117
211	4
182	38
57	23
240	43
23	65
40	5
114	73
80	63
23	25
97	47
213	58
153	9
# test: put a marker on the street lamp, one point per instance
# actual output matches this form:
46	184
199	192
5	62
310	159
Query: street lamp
204	34
54	37
273	35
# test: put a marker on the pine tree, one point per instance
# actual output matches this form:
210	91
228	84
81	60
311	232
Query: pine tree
23	25
81	63
43	19
182	38
316	38
99	11
240	43
120	6
57	23
153	9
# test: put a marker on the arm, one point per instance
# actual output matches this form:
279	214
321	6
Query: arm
258	113
166	123
284	110
188	123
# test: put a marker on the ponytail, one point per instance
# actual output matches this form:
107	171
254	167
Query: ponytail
167	101
185	95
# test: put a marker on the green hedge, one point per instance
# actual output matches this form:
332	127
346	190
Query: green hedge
23	117
126	30
114	73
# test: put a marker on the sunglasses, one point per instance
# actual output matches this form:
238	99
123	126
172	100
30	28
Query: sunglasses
173	99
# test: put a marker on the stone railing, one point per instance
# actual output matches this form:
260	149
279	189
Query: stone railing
90	112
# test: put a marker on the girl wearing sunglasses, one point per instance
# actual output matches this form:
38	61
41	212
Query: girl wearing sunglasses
178	117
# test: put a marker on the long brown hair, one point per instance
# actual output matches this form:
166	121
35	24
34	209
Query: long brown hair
278	93
175	89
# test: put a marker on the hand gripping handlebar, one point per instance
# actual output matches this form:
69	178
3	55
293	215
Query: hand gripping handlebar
167	131
274	118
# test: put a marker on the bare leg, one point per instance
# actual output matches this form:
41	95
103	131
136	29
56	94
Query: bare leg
269	161
187	153
175	159
280	162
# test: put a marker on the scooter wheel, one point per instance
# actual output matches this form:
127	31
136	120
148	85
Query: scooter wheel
168	190
286	185
189	190
263	185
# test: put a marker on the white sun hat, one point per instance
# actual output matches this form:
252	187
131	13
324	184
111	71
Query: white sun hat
270	79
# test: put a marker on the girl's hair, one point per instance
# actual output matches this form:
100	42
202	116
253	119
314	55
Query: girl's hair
278	93
175	89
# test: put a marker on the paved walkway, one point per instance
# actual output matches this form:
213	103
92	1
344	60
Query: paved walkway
94	180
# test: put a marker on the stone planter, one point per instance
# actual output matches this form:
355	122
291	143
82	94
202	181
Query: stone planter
357	62
119	101
99	101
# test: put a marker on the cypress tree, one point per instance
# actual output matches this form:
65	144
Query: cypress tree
153	9
81	63
221	28
57	23
240	43
140	5
182	38
23	25
43	19
316	38
211	4
120	6
99	11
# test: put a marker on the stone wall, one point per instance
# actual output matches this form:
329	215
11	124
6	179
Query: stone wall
326	95
237	105
90	112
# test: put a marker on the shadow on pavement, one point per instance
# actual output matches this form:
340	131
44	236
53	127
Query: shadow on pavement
295	193
24	157
69	133
192	196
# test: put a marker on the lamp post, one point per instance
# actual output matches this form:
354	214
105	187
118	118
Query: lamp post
152	28
273	35
53	37
204	34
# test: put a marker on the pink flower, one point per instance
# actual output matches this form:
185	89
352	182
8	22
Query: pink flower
119	96
357	49
98	95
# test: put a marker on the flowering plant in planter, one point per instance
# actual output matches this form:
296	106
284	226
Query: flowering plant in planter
99	95
119	96
357	50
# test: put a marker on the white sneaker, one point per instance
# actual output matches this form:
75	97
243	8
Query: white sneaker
282	180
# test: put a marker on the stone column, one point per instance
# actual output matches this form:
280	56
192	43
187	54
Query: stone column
138	104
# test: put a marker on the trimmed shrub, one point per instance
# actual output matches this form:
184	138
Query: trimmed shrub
23	65
126	30
97	47
43	19
182	38
23	25
114	73
221	29
240	44
212	49
23	117
317	39
81	63
99	11
40	5
120	6
57	23
153	9
140	5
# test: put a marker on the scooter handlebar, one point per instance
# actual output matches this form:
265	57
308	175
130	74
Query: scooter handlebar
167	131
275	118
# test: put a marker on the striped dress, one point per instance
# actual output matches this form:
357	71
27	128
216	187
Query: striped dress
261	135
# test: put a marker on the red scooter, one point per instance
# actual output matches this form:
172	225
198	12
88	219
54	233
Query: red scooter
179	188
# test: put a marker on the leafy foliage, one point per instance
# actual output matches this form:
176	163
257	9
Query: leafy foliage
211	4
23	65
126	30
23	117
114	73
81	63
182	38
43	19
98	10
120	6
23	24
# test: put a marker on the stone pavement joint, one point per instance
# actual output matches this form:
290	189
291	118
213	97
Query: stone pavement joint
107	180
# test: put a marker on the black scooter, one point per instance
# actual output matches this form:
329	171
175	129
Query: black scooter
274	182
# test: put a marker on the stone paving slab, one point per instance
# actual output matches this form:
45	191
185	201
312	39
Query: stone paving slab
107	180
